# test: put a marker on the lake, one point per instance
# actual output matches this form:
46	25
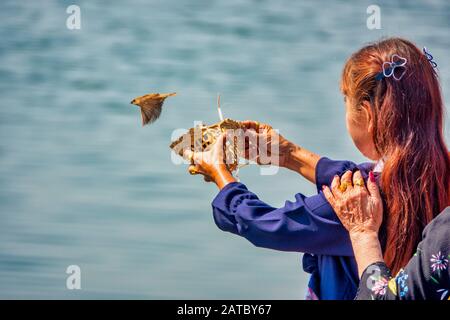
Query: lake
83	183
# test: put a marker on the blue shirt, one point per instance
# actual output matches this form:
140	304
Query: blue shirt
307	225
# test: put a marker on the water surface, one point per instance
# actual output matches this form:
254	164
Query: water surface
83	183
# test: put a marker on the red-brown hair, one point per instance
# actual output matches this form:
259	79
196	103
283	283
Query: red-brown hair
408	117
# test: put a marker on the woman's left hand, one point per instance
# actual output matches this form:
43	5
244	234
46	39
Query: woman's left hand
211	164
360	209
361	212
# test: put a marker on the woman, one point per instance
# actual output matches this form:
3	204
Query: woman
427	274
394	114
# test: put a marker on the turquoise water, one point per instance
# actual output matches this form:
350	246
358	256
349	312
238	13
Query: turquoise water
82	183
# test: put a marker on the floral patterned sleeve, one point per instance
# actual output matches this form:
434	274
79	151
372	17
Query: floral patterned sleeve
426	276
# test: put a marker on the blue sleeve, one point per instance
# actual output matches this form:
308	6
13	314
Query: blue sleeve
307	224
326	169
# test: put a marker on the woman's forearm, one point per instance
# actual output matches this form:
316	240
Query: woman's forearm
302	161
367	249
223	177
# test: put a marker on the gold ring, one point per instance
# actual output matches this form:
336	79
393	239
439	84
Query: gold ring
193	171
343	186
359	182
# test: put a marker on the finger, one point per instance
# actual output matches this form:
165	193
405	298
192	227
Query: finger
251	145
221	142
265	126
372	186
196	169
218	152
358	179
250	153
335	185
329	195
347	179
256	126
250	125
193	170
191	155
188	155
251	136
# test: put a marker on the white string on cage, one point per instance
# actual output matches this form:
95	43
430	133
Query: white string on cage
218	107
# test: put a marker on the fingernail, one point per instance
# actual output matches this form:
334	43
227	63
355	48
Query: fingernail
371	177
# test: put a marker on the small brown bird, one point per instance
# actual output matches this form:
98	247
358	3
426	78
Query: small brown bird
151	105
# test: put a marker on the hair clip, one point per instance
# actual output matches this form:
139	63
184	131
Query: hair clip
429	57
389	68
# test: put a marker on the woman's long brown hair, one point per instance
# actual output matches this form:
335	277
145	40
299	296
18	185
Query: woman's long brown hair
408	117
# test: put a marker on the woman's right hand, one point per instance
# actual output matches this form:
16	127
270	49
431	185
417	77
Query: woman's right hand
266	146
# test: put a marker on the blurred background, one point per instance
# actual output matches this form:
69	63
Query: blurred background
82	183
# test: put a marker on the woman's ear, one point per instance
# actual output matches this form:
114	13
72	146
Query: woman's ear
368	116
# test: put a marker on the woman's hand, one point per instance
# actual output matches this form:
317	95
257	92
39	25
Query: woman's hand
361	212
211	164
359	209
266	146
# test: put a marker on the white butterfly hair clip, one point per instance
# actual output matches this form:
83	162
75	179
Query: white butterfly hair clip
394	68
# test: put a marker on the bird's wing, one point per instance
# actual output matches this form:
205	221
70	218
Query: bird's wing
151	106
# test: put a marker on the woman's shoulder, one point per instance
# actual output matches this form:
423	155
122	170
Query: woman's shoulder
435	244
440	225
327	168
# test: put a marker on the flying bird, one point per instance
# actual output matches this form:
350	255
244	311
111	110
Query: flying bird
151	105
